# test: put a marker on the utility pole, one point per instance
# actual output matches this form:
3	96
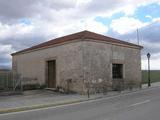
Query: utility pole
137	36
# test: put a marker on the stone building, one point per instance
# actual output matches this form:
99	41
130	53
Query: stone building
79	61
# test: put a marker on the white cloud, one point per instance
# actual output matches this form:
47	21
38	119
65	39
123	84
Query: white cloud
5	48
95	26
128	9
149	39
5	58
14	30
126	24
82	2
148	16
156	19
62	25
62	14
51	18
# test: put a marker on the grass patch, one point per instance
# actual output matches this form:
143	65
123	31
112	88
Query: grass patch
154	74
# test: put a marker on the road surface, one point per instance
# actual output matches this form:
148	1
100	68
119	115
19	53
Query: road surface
141	105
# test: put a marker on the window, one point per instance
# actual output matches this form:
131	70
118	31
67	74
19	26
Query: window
117	71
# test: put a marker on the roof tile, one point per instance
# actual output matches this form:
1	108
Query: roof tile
80	35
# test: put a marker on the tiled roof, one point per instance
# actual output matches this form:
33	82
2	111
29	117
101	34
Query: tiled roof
80	35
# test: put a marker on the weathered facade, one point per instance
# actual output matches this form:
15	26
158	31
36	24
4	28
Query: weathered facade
77	61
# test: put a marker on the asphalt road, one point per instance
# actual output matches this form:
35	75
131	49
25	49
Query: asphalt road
141	105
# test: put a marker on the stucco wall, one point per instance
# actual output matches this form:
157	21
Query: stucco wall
68	64
83	62
98	60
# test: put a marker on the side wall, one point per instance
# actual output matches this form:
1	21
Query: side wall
98	60
68	65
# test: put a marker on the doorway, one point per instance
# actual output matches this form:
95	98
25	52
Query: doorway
51	74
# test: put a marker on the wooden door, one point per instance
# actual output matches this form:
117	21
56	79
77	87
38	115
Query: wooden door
51	74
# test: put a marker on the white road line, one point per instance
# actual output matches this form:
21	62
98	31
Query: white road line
139	103
61	106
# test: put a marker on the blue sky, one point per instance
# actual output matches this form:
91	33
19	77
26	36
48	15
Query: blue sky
107	20
143	13
24	23
146	13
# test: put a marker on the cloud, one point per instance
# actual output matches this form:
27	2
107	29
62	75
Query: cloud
5	58
148	35
156	19
24	23
12	10
107	8
149	39
126	24
9	10
46	9
148	16
14	30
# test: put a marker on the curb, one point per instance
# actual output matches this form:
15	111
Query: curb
33	107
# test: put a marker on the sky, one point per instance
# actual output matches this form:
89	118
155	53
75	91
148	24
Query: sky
24	23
